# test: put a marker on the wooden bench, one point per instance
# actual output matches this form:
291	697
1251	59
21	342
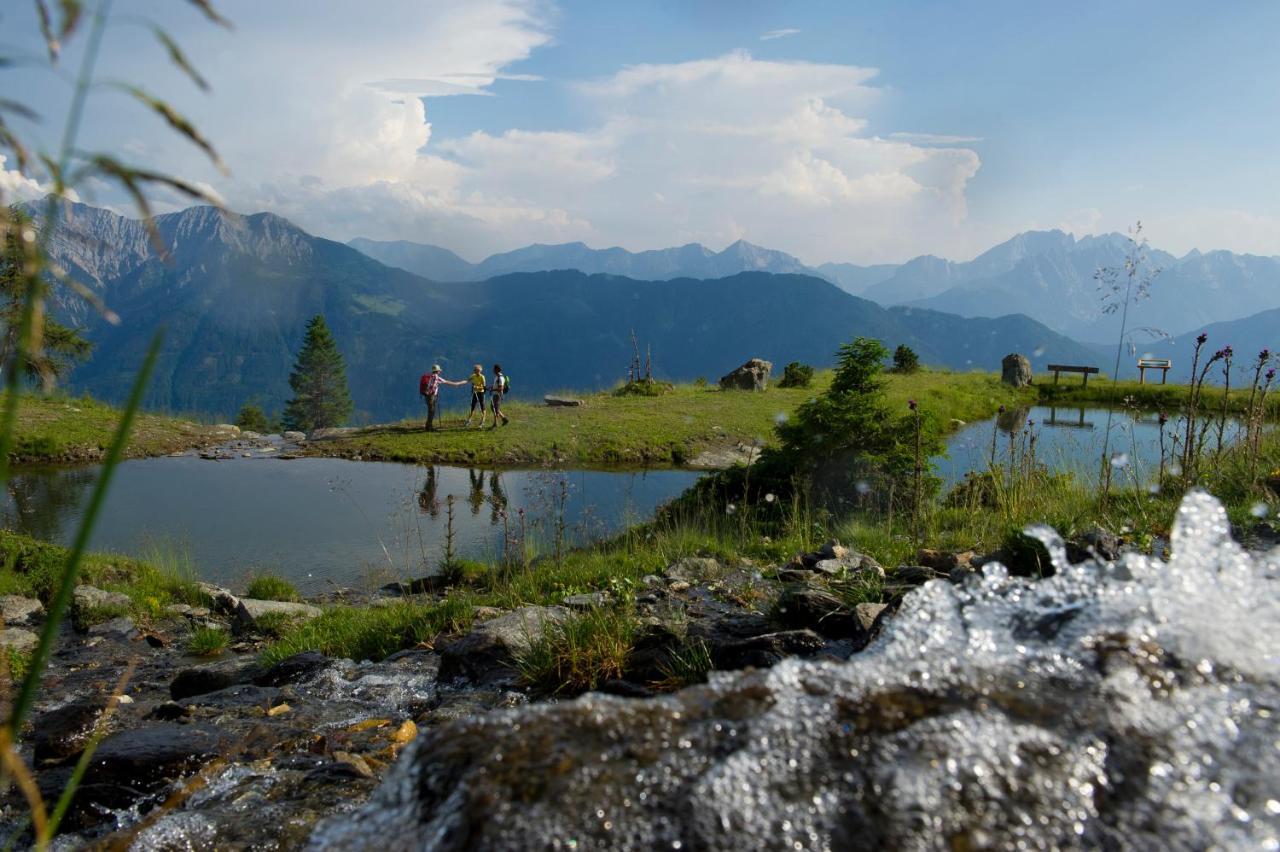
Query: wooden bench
1161	364
1071	368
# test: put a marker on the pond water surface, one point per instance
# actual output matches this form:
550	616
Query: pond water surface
324	522
1072	439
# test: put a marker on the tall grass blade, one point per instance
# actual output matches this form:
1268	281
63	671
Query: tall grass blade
62	596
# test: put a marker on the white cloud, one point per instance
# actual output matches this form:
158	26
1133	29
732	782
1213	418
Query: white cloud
783	33
15	186
710	150
934	138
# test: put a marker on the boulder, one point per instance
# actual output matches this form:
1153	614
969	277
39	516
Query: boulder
198	680
751	376
17	639
488	653
588	600
15	609
293	437
691	569
250	610
62	733
332	432
293	669
765	650
818	610
563	401
1015	370
87	599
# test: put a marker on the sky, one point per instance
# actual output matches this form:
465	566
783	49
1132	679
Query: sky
837	131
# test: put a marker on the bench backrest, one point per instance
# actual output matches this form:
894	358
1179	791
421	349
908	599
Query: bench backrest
1070	368
1155	362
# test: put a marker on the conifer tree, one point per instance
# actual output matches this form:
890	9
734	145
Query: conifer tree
319	382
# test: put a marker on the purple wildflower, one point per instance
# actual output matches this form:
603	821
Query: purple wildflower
911	403
1202	338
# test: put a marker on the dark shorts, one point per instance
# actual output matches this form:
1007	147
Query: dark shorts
477	400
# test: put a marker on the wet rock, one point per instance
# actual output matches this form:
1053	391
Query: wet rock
956	729
751	376
869	615
831	550
589	600
198	680
766	650
487	654
820	611
691	569
1095	541
915	575
944	561
626	689
222	600
651	652
240	695
62	733
293	669
17	610
422	586
157	751
169	711
121	628
17	639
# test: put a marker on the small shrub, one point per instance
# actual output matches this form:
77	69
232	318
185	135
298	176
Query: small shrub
644	388
89	616
700	382
905	359
254	419
796	375
463	572
207	642
19	663
581	652
271	587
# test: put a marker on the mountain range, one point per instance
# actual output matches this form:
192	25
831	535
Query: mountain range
1046	275
234	293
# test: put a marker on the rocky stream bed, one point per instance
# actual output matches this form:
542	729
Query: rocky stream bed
1125	702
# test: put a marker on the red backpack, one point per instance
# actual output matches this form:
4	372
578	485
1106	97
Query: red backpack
424	384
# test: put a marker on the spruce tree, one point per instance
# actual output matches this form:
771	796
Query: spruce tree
319	382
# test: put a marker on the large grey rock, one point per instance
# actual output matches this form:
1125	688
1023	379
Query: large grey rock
90	601
332	432
488	653
563	401
294	437
17	639
1015	370
249	610
751	376
16	609
802	607
692	569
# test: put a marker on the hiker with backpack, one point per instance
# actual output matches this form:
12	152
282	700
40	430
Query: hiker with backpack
429	388
500	388
478	382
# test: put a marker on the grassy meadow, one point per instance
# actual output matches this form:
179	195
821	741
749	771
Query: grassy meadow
671	429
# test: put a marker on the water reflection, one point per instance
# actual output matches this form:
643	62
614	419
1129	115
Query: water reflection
324	521
1052	421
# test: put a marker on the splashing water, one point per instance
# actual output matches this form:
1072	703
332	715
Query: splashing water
1124	705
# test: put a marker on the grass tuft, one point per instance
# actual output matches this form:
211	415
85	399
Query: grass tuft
272	587
581	652
207	642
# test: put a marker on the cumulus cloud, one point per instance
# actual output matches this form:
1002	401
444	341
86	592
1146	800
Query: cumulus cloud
15	186
709	150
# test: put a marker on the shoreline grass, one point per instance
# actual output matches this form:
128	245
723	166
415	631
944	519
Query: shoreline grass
1153	397
59	429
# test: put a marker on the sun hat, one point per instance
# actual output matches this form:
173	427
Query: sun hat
435	368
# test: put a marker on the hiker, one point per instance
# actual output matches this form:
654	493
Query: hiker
429	387
498	390
477	394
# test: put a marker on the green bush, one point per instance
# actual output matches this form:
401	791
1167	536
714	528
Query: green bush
207	642
271	587
796	375
254	419
905	359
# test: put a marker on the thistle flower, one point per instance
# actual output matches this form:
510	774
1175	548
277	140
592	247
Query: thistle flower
1227	351
1201	338
1002	409
1030	423
1271	374
1162	418
1264	356
911	403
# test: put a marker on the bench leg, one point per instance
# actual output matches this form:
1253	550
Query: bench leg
1142	375
1055	377
1085	383
1164	375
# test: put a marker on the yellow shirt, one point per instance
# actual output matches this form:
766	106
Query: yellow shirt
477	382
